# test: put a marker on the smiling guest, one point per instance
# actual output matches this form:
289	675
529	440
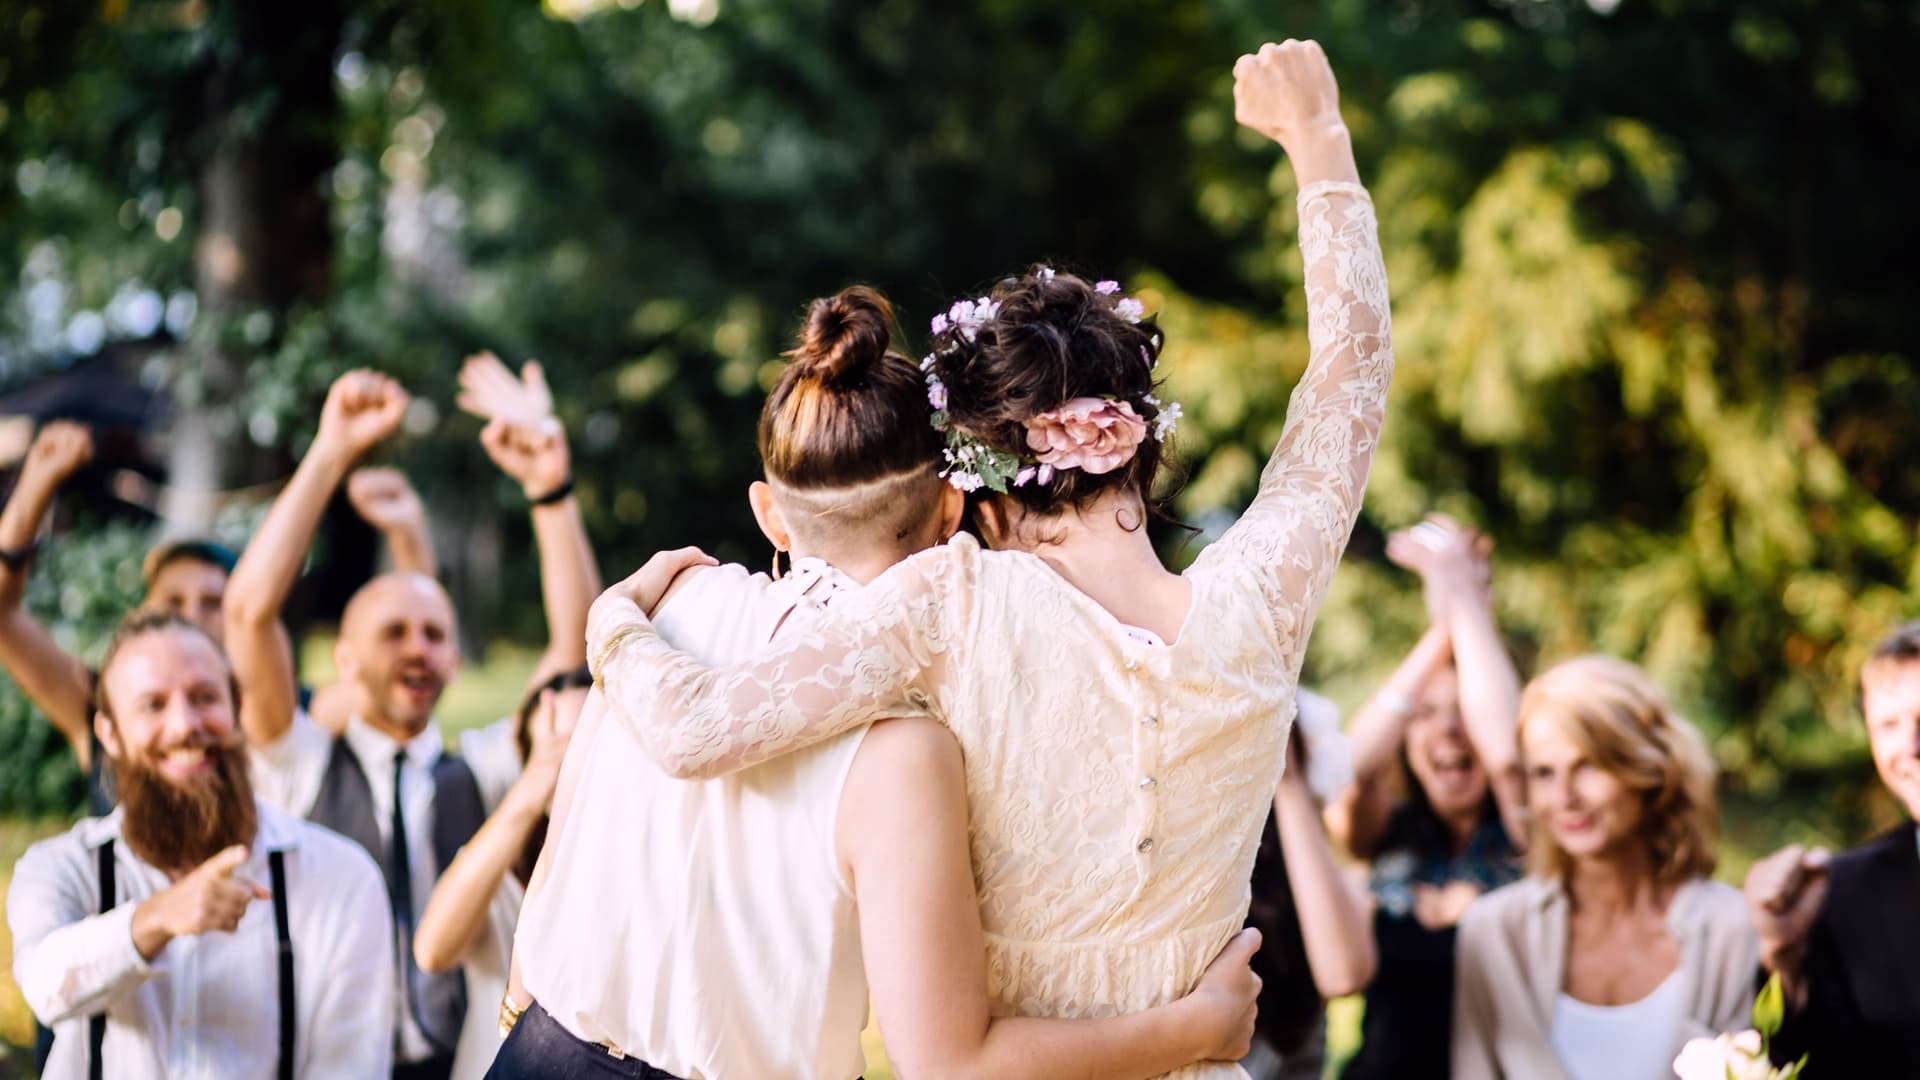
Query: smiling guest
1617	948
1441	731
196	931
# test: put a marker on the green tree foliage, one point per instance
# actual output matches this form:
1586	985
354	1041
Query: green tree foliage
1652	312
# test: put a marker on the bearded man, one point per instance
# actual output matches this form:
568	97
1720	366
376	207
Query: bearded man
196	931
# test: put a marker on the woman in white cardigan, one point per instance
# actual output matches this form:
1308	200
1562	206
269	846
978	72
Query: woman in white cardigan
1618	947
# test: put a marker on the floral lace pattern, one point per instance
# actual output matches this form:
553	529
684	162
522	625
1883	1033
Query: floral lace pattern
1118	787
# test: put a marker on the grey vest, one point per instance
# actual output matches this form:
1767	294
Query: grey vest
345	805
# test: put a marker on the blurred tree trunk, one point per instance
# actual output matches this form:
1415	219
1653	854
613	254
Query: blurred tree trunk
265	240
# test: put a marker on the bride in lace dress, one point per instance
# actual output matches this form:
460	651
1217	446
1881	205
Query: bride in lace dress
1123	726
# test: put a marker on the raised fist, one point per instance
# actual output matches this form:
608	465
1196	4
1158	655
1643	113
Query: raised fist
363	408
384	499
1454	562
1287	93
61	449
535	454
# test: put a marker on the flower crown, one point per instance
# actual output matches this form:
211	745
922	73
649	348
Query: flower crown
1094	434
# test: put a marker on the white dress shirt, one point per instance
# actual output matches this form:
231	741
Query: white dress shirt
288	774
208	1006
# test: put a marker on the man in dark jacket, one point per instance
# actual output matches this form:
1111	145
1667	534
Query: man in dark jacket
1843	932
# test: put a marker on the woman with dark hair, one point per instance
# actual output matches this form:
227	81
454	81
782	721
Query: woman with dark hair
738	926
1442	731
1316	940
1123	725
469	918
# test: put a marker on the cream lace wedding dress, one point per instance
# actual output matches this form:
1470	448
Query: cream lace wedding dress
1118	785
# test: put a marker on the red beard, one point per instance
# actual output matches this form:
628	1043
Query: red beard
176	826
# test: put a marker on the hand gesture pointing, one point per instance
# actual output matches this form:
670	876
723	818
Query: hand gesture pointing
210	897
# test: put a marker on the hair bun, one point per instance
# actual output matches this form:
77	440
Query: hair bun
846	335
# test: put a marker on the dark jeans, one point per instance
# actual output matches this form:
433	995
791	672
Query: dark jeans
439	1068
540	1049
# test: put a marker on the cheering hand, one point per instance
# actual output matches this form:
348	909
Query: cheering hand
1287	93
489	390
1454	562
363	408
534	454
385	500
61	449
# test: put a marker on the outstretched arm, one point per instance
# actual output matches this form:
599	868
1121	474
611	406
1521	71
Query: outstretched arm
52	680
902	835
876	653
1310	491
362	408
527	442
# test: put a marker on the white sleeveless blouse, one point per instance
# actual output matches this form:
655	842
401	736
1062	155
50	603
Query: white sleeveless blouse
1117	787
705	926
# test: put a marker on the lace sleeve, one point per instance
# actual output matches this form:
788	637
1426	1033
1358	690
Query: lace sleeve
874	653
1310	491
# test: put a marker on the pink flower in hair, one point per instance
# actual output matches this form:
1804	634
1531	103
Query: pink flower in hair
1091	434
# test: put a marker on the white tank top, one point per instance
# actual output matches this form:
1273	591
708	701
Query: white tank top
705	926
1620	1042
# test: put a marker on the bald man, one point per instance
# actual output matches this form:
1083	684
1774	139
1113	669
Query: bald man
386	780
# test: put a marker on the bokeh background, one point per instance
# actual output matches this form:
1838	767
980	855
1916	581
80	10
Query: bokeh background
1651	265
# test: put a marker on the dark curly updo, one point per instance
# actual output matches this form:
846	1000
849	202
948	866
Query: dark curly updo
1051	337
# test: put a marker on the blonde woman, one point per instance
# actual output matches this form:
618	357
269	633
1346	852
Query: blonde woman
1617	947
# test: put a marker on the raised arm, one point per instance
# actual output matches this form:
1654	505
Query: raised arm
52	680
902	835
385	500
457	910
527	442
1357	815
879	652
362	408
1455	571
1310	491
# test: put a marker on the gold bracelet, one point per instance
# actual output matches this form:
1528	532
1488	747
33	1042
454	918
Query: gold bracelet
509	1015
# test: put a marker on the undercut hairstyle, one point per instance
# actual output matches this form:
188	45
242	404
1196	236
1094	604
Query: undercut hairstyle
139	624
846	437
1624	725
1055	338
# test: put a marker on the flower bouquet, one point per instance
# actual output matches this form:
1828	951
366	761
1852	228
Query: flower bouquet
1742	1056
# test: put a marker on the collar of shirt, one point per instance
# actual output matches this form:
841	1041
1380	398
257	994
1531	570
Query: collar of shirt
375	748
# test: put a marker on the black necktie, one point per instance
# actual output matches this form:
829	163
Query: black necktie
399	866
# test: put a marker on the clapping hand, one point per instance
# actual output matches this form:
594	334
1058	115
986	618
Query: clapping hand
1454	562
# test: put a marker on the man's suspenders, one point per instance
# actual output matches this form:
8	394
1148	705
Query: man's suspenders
277	867
97	1023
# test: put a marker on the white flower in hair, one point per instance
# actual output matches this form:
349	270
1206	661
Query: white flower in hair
1166	421
939	325
1130	309
1045	273
1106	288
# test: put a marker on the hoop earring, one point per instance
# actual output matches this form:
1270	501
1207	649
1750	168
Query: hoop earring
776	564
